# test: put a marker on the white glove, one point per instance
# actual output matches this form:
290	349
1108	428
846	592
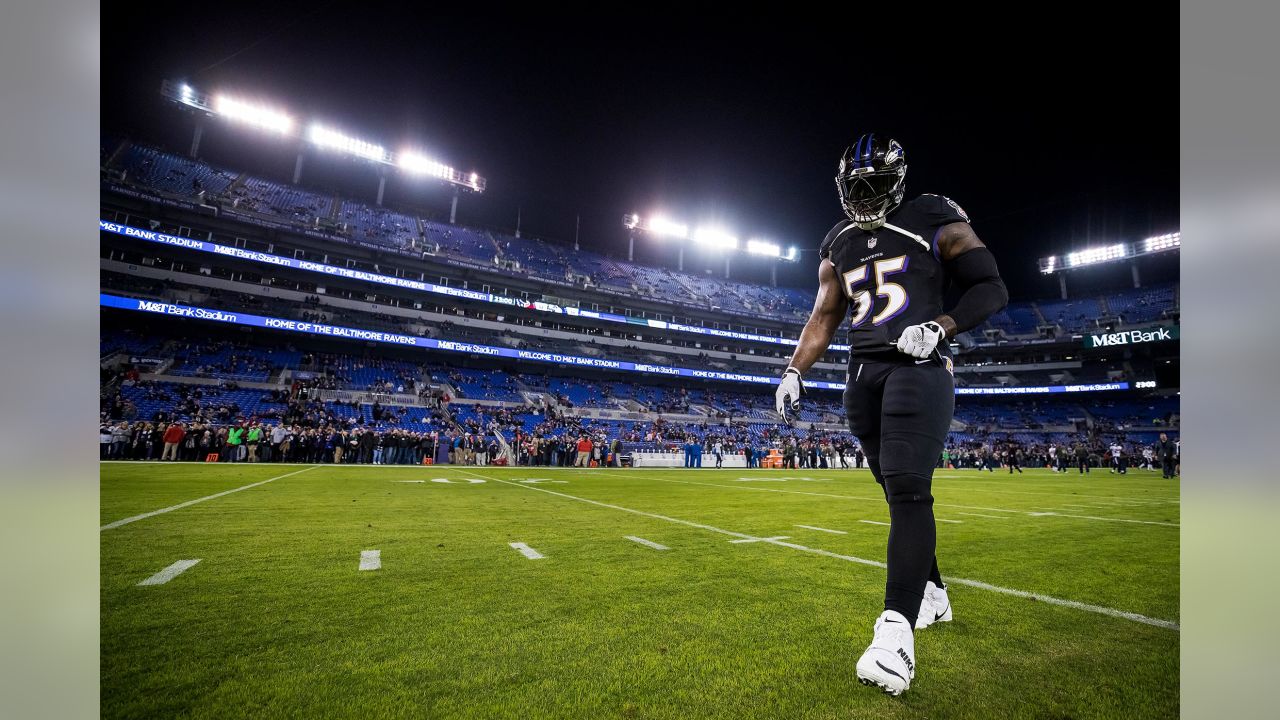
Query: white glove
788	394
920	340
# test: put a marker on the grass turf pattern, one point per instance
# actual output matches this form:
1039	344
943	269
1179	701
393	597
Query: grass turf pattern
277	620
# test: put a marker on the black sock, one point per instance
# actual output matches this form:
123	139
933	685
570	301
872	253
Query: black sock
912	536
934	575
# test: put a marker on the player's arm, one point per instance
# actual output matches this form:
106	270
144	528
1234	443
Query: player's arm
829	310
973	268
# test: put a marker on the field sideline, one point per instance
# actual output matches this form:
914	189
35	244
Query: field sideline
341	591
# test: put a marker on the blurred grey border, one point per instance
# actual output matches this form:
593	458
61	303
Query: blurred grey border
1230	113
1230	117
49	100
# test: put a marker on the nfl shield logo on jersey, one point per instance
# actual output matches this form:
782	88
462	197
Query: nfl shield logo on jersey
871	242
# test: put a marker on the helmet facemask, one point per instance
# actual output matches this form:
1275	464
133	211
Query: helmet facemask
867	196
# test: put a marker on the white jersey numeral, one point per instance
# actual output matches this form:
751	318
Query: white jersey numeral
893	292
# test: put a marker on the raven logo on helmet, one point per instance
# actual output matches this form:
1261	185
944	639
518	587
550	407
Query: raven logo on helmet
871	179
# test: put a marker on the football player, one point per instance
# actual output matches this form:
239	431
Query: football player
890	262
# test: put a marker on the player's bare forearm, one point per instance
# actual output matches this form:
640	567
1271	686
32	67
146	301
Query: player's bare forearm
829	310
974	269
948	325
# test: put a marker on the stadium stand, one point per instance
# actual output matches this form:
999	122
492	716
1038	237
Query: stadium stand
172	174
154	169
319	391
378	225
1075	315
1142	304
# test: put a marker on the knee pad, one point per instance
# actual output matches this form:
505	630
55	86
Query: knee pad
908	489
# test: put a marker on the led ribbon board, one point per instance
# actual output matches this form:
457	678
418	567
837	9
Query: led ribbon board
378	336
351	274
1039	389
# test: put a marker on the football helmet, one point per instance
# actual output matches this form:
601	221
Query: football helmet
871	178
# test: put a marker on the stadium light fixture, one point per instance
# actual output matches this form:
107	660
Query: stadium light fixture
247	113
1093	256
664	227
238	110
715	237
1162	242
1111	253
709	236
421	165
763	247
334	140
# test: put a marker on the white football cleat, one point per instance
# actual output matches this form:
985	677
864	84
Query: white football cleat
890	661
935	607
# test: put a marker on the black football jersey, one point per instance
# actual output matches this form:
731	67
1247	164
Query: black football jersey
893	276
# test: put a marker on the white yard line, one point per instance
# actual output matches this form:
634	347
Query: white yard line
825	530
993	517
1121	520
881	500
370	559
956	522
1048	599
170	572
179	506
646	543
525	550
874	522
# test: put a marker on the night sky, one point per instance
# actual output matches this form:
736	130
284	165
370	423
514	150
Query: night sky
1055	136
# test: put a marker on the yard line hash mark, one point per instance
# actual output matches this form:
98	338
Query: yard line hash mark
370	559
874	522
825	530
646	543
170	572
525	550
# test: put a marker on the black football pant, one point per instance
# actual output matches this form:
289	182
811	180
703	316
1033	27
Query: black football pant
901	413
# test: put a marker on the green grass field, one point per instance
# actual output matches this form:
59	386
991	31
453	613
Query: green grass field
277	619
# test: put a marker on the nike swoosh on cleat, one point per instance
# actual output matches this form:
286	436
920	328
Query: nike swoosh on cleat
891	672
938	617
